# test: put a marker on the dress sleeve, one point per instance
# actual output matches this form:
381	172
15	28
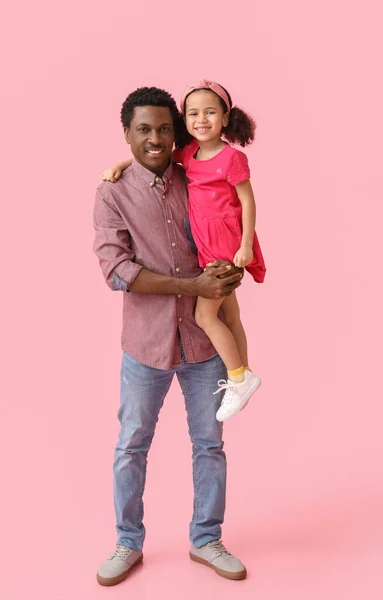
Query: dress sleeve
238	168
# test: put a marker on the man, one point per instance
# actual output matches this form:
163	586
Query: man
145	249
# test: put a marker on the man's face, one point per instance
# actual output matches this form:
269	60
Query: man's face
151	137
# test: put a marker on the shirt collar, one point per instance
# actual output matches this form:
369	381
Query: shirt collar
150	178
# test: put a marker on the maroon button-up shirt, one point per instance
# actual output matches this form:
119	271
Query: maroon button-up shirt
142	221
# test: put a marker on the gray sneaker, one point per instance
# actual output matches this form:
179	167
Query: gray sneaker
115	568
215	556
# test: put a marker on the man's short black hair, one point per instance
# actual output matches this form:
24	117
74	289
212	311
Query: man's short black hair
147	96
152	96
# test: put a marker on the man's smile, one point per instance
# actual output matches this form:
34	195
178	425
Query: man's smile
154	151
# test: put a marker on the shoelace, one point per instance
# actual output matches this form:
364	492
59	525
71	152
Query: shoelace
121	552
218	548
226	385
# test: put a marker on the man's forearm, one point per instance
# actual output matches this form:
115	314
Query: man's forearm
148	282
217	281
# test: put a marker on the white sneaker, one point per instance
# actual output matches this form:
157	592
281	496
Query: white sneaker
217	557
116	568
237	395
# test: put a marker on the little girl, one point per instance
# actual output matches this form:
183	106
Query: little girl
222	219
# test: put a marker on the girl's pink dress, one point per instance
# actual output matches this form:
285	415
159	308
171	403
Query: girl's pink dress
215	210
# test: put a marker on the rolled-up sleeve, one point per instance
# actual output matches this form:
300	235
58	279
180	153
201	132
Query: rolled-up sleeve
112	244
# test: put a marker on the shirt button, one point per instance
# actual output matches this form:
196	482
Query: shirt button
156	180
169	221
179	296
173	244
178	269
180	319
163	196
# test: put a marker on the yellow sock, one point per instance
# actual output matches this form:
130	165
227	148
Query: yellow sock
247	368
237	375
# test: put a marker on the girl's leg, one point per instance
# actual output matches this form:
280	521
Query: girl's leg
220	335
231	313
241	384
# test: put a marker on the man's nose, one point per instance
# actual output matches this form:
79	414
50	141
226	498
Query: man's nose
155	137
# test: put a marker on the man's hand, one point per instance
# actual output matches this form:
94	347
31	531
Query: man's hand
218	280
225	263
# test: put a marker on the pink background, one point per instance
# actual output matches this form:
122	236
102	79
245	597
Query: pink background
305	490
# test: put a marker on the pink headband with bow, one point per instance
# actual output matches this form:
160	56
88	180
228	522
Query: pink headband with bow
202	85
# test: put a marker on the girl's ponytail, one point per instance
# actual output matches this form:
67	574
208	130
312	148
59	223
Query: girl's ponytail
241	127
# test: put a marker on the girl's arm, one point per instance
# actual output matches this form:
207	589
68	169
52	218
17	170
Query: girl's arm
245	194
114	173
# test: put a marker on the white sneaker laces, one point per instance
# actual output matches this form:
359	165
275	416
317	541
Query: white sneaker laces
218	548
121	552
229	386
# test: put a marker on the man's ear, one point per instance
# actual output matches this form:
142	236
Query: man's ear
127	134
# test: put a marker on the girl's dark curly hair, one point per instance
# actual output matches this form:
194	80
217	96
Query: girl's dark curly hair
152	96
240	129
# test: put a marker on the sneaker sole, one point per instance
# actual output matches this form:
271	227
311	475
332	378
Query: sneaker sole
244	402
226	574
115	580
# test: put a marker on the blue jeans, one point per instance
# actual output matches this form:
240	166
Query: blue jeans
143	391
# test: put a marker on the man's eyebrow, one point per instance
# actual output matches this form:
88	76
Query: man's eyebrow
150	126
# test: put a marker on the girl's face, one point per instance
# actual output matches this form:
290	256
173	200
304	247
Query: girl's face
204	116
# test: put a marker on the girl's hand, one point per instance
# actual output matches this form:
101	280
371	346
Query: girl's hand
111	174
244	256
